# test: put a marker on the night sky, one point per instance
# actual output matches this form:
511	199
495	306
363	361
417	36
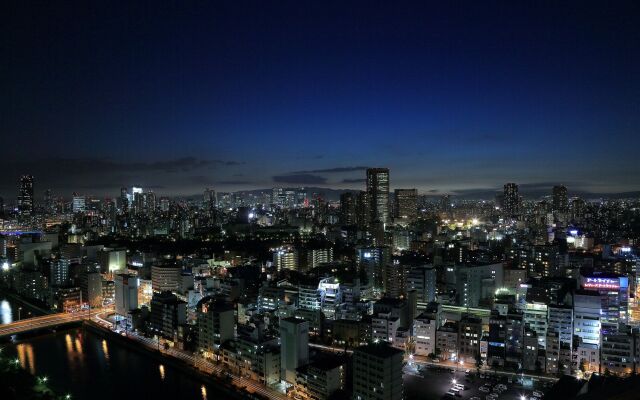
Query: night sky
451	96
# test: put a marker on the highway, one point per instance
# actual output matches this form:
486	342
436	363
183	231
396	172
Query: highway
202	364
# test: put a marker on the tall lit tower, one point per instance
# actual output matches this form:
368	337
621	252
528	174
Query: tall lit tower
511	198
25	196
560	199
378	191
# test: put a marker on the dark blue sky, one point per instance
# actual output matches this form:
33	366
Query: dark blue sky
451	96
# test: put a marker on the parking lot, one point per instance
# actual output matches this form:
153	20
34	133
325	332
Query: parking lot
427	382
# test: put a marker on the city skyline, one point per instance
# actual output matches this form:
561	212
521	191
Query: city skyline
246	97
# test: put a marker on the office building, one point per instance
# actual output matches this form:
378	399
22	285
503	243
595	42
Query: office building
166	278
511	199
320	379
216	324
424	332
25	196
422	279
378	191
560	199
377	372
587	313
167	313
126	297
405	206
294	347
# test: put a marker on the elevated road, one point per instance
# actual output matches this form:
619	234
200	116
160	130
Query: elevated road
46	322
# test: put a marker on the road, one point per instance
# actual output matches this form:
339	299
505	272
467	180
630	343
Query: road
46	321
199	362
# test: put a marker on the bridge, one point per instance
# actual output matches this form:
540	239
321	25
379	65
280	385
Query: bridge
46	322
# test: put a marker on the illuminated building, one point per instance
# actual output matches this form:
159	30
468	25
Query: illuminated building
511	200
294	347
59	273
348	208
166	278
285	258
216	324
586	316
378	190
319	379
476	283
422	279
330	294
614	297
126	297
112	260
560	199
25	196
377	372
78	203
535	317
424	333
405	205
167	313
469	334
317	257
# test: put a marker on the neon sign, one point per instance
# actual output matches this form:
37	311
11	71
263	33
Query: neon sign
602	283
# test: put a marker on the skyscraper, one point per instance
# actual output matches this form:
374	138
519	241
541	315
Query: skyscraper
378	190
560	199
348	208
25	196
511	199
406	205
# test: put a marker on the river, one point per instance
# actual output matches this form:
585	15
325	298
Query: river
89	367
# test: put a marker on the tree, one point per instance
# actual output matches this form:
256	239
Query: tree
607	372
583	365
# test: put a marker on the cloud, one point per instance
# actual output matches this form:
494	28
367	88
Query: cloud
332	170
232	182
300	179
357	180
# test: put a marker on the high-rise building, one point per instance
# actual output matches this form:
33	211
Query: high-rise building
560	199
78	203
216	323
614	296
405	205
166	278
59	272
126	293
286	258
511	200
294	347
422	279
378	190
586	314
167	312
377	372
25	196
348	208
124	199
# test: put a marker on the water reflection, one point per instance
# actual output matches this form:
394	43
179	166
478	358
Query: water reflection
105	350
203	390
26	357
161	368
6	313
87	365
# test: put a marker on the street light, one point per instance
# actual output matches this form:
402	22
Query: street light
454	381
19	310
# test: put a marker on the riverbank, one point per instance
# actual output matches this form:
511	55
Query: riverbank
28	305
223	388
